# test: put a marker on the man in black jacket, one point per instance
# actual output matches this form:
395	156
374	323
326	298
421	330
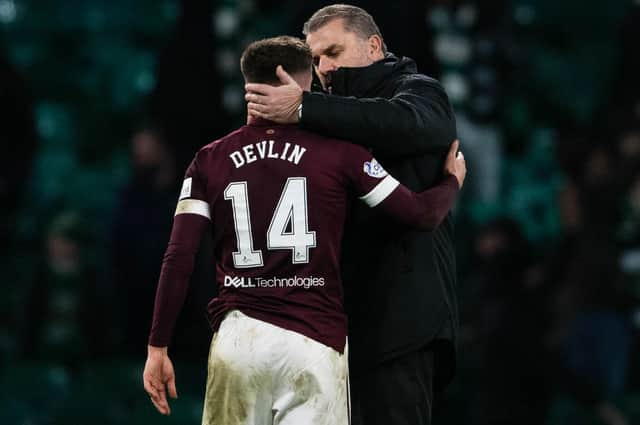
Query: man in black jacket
399	283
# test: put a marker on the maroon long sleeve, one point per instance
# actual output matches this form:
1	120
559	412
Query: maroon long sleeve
425	210
177	267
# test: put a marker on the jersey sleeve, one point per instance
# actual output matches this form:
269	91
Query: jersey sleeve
191	217
193	198
376	188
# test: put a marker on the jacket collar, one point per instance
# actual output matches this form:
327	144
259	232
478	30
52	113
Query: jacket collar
366	80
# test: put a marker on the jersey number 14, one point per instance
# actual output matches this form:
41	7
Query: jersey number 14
291	212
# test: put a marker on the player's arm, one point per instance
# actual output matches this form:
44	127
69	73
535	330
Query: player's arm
191	218
424	210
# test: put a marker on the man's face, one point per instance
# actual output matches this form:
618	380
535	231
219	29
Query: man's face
332	47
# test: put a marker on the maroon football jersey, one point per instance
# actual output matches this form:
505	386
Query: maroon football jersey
277	198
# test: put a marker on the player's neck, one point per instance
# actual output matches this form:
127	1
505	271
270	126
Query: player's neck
251	120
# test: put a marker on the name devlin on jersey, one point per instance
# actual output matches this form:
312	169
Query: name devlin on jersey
273	282
267	150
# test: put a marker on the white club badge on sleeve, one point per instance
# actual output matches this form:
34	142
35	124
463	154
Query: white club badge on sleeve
186	188
374	169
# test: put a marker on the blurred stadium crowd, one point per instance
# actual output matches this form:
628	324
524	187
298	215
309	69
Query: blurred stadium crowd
103	104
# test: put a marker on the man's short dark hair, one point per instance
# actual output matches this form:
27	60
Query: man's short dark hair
355	19
261	58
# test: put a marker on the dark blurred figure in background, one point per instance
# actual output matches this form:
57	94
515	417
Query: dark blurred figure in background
65	312
591	304
186	101
142	223
19	142
625	101
507	331
542	331
142	218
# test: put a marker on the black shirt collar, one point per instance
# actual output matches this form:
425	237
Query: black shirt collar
366	80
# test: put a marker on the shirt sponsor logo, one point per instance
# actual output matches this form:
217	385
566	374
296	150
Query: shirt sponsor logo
238	282
374	169
186	188
274	282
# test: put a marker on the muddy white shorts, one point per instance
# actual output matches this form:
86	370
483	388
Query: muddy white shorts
261	374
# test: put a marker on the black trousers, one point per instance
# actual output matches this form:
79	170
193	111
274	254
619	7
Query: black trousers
397	392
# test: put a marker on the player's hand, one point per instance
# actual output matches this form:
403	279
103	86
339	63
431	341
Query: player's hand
279	104
455	164
158	378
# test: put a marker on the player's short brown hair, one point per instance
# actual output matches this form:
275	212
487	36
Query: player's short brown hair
260	59
355	19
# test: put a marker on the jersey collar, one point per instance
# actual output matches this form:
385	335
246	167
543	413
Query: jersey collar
260	122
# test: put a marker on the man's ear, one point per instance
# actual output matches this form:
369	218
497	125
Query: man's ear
374	47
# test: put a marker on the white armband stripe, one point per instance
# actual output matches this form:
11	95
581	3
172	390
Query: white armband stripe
193	206
380	192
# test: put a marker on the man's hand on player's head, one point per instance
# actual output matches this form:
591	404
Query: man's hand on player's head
455	163
158	378
275	103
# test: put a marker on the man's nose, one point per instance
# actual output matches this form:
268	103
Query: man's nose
326	65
